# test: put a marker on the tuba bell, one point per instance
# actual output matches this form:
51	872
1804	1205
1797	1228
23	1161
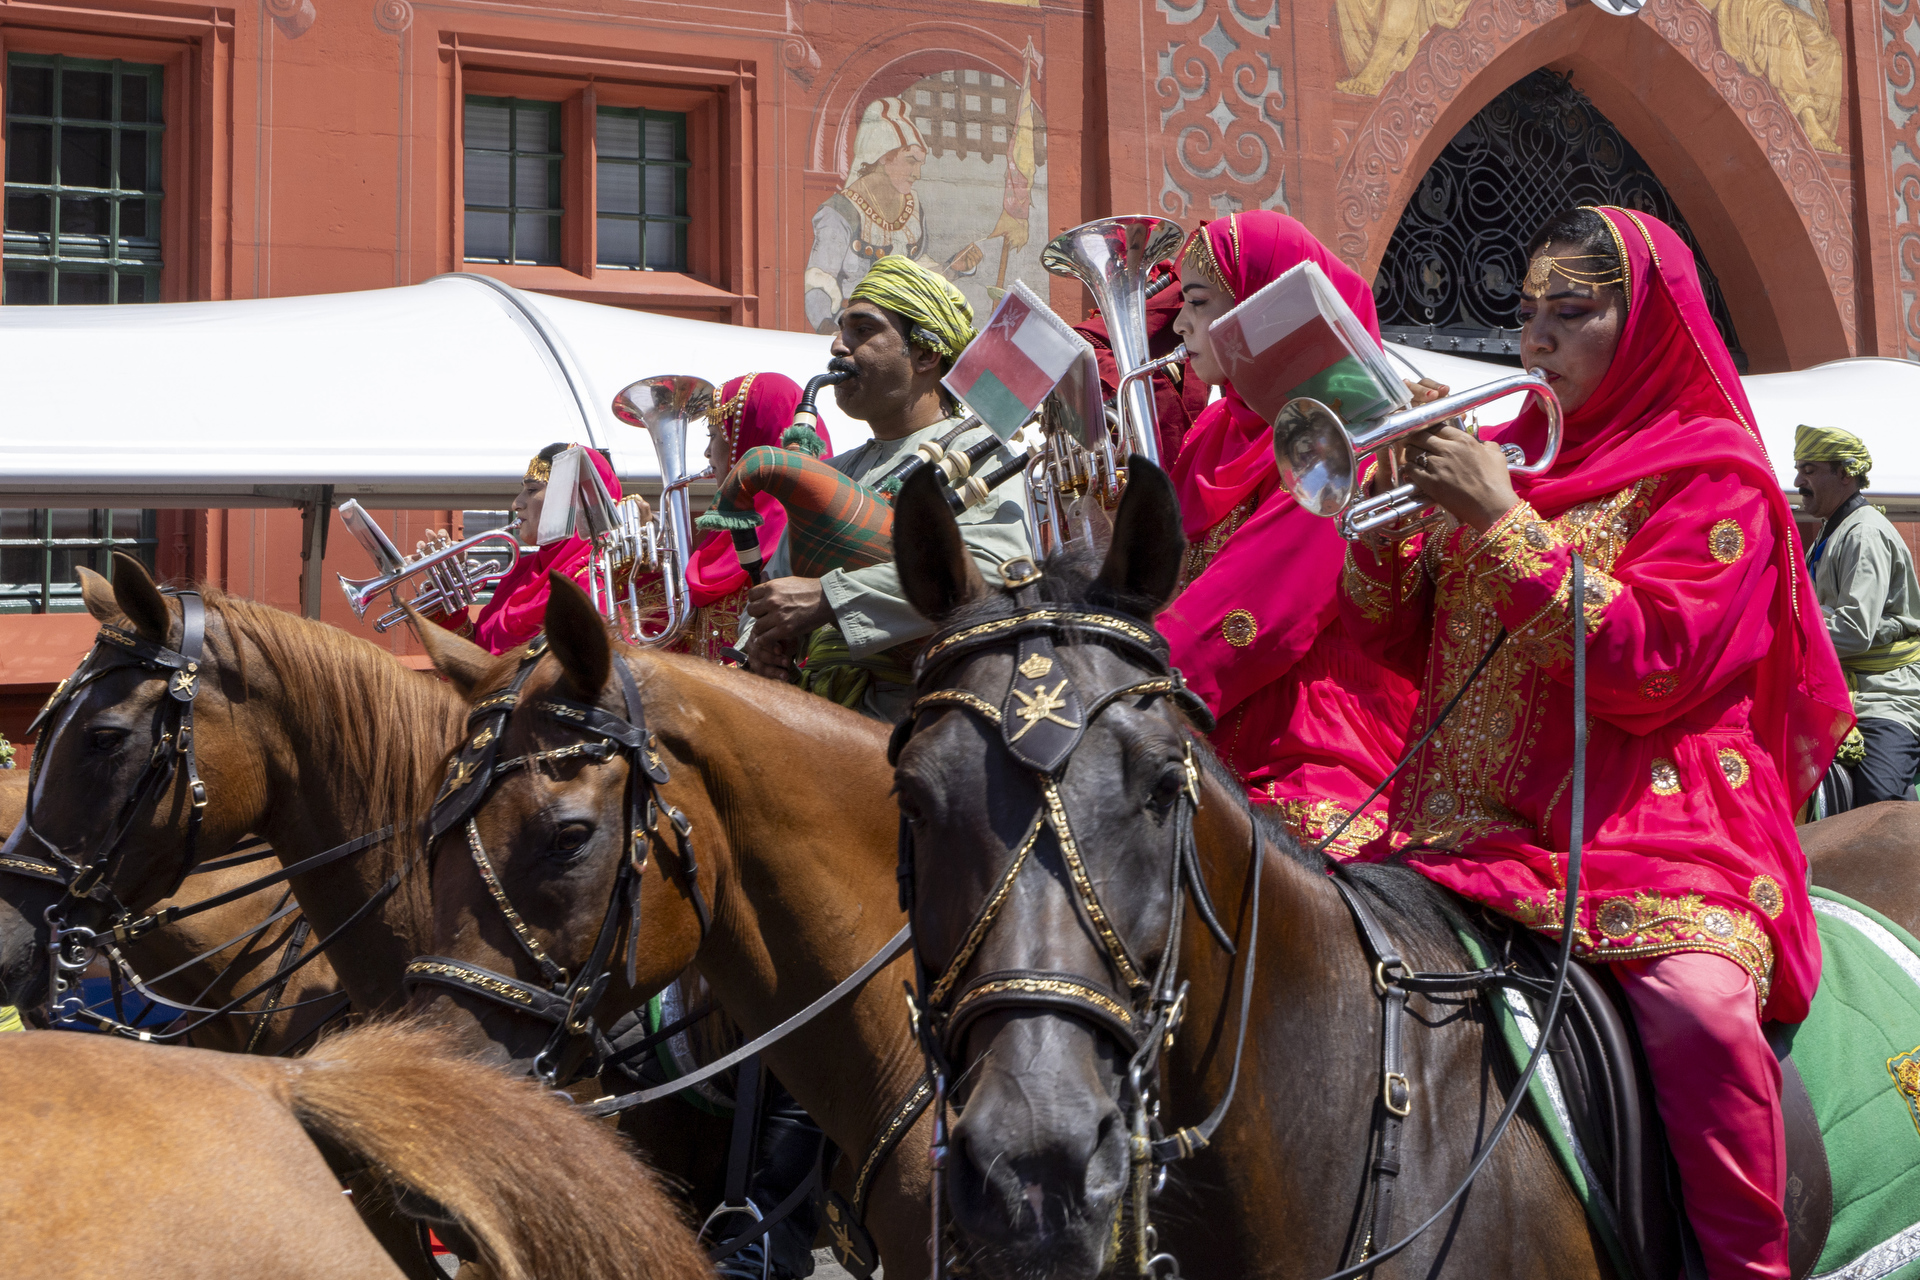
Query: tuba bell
663	406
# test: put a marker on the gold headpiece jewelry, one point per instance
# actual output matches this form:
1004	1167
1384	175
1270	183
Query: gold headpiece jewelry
540	469
1545	264
731	415
1200	257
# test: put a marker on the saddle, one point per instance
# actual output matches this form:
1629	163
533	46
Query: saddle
1602	1079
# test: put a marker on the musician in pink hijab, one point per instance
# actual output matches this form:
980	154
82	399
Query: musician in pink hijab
1715	699
1307	721
518	609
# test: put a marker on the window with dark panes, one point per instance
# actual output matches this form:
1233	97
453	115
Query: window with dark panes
513	200
39	550
82	182
641	188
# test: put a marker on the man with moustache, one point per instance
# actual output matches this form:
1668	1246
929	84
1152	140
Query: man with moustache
1863	577
899	333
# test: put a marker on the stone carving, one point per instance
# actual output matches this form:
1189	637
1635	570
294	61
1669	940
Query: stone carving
1221	97
796	51
293	17
1374	175
393	16
1901	66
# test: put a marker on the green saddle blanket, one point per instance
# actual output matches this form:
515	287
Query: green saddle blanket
1858	1053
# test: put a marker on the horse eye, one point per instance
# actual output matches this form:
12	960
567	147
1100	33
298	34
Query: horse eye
1166	788
572	837
107	741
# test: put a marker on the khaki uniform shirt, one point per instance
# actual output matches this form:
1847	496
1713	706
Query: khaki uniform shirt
1864	580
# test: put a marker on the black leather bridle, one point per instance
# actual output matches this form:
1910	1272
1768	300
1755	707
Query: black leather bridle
89	880
1042	719
567	1000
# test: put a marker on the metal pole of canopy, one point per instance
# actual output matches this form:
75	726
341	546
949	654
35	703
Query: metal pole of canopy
316	514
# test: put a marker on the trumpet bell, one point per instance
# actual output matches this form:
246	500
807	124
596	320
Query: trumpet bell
1315	455
663	406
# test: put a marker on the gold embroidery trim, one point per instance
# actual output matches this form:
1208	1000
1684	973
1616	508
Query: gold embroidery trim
1726	541
1200	256
1649	923
1372	598
1052	987
1734	765
984	920
1905	1070
472	977
1765	894
1311	820
1239	628
1659	685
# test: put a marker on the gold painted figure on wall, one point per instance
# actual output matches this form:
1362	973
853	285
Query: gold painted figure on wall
1379	37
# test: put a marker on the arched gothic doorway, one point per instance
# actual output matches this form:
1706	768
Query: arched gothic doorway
1451	276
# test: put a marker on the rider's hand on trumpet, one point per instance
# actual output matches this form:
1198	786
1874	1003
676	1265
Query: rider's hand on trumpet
436	540
1467	477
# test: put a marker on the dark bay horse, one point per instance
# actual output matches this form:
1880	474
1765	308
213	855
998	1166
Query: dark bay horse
1039	1163
793	832
127	1160
209	974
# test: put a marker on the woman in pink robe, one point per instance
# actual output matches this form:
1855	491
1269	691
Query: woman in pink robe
1307	721
1714	696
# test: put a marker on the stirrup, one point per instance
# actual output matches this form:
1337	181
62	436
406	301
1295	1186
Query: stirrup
752	1210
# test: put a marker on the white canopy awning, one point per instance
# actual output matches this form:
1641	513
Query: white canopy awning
429	395
434	395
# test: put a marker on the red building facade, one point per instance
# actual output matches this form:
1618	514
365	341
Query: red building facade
740	163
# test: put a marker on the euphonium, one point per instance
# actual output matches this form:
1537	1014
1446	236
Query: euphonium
663	406
452	580
1319	455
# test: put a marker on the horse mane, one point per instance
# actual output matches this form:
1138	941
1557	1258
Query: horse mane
362	693
1429	915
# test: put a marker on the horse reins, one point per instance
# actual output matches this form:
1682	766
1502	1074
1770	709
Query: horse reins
1040	724
72	948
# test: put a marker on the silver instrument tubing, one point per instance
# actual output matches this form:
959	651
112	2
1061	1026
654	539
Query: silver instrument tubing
662	406
449	580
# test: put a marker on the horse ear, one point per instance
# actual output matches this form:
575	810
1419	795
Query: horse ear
1143	561
139	599
578	635
936	569
98	594
459	659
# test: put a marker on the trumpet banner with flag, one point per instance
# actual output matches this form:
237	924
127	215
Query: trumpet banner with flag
1017	360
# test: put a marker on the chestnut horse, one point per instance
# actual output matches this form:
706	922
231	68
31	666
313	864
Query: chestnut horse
127	1160
1039	1161
198	974
793	836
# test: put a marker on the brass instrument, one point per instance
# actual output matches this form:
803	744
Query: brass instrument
663	406
1082	453
451	578
1319	455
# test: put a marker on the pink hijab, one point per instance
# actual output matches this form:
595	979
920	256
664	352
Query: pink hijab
756	409
1672	399
518	609
1229	453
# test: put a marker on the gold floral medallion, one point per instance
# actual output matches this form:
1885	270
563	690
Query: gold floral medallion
1734	765
1726	541
1617	918
1239	628
1666	778
1905	1070
1765	894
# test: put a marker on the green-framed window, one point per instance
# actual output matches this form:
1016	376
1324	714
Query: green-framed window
641	188
39	550
513	200
83	186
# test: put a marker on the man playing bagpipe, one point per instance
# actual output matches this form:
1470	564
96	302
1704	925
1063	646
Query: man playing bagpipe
851	630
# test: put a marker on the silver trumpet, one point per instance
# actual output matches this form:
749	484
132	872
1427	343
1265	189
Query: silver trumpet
1319	455
450	578
1082	456
663	406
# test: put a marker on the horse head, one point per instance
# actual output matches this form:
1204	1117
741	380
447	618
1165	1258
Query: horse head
561	875
112	794
1047	783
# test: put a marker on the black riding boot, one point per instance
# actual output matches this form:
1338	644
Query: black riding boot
788	1145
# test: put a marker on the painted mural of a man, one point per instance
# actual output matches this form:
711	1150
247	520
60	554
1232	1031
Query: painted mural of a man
875	214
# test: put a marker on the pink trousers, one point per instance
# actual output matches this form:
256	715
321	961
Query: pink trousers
1718	1088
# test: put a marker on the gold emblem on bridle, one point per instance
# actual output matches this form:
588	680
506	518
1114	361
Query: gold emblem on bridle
481	739
1035	666
1041	705
183	682
459	773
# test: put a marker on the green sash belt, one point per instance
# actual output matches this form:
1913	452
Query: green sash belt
1884	658
832	672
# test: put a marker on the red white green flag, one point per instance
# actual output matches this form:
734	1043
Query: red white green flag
1019	358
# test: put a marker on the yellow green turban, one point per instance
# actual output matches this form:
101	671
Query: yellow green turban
939	316
1830	444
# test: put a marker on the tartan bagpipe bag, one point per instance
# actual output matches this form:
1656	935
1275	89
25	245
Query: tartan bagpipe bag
832	522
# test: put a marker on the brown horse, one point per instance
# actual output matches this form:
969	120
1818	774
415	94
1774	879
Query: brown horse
793	833
128	1160
211	978
1039	1159
307	737
1871	854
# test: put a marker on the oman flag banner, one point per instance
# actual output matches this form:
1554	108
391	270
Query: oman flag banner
1018	359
